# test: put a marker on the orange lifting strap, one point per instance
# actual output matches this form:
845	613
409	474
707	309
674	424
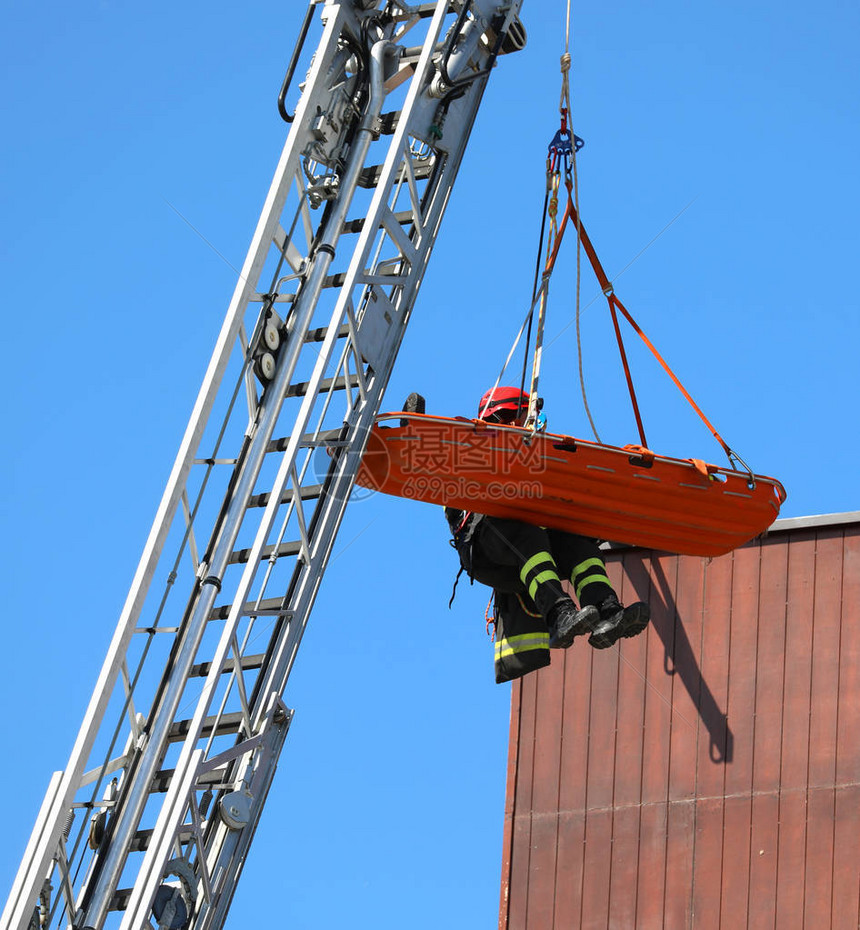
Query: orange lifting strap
570	213
628	495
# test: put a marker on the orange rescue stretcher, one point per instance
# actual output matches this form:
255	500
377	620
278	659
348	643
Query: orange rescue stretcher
628	495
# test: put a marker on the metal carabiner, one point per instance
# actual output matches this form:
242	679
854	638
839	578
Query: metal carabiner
563	146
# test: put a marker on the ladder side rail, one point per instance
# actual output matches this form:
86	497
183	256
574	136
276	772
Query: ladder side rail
28	882
215	915
167	828
332	504
215	887
128	816
151	870
227	847
231	857
47	834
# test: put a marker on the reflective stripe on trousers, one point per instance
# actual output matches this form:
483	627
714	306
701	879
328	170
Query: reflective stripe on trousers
594	570
513	645
538	570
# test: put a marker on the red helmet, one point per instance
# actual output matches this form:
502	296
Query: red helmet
503	398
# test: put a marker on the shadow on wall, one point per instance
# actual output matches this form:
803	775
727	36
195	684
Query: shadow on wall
679	659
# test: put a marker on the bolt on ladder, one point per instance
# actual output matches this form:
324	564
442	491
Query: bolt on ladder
151	820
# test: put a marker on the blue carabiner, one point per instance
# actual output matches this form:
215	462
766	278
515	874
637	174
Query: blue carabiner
562	146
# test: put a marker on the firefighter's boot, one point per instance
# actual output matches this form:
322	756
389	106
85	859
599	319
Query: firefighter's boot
617	622
414	403
565	622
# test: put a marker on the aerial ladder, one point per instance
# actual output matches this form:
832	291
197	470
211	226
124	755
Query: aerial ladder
150	823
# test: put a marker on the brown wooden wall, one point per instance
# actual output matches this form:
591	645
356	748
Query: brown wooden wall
707	773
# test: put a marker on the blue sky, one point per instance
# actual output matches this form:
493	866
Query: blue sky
742	118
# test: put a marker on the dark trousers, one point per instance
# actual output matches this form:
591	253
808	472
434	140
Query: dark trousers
526	566
517	558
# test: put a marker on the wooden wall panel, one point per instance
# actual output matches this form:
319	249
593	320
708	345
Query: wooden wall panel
522	791
767	739
572	788
824	699
510	804
545	797
599	787
657	744
684	721
624	874
846	890
737	823
632	584
794	763
706	774
848	732
715	742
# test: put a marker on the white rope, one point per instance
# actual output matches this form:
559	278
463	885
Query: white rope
537	357
578	301
540	292
564	104
567	30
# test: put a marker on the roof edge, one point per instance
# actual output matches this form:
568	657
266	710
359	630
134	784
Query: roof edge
824	519
784	524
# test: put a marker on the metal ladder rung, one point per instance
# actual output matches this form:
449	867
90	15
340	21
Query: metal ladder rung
202	669
388	122
327	384
241	556
369	178
334	280
404	217
317	335
331	438
306	493
278	299
322	438
268	607
331	280
120	899
140	843
221	726
162	779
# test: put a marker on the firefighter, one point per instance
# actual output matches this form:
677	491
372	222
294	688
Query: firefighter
526	565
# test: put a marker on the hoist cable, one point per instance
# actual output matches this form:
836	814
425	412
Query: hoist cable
562	153
565	107
567	29
559	150
544	284
552	251
538	258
